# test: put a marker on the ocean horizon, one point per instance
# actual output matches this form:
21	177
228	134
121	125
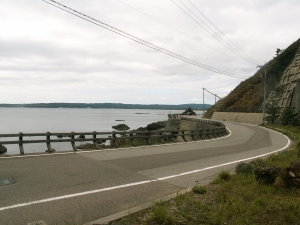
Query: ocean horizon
54	120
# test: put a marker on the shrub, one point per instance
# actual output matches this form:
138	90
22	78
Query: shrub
289	116
160	214
199	189
222	176
244	168
258	163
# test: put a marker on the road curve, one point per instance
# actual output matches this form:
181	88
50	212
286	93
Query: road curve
85	186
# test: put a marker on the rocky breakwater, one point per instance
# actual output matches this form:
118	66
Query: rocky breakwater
89	146
139	141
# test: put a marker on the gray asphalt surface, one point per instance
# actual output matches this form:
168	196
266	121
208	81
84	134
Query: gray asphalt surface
85	186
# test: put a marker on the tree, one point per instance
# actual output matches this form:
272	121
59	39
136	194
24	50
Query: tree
279	51
274	111
289	116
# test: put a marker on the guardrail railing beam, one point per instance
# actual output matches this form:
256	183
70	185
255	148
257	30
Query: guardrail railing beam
203	133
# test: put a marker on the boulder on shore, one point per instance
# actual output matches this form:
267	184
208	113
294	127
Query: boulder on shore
267	175
2	149
141	129
51	150
86	146
156	125
121	127
81	136
153	126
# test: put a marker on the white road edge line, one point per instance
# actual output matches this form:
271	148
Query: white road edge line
141	182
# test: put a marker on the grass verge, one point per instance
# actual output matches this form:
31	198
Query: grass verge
231	198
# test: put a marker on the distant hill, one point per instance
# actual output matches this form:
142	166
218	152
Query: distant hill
249	93
109	106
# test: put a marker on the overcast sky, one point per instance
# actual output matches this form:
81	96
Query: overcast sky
48	55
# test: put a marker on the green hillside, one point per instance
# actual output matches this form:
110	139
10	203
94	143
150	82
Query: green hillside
249	93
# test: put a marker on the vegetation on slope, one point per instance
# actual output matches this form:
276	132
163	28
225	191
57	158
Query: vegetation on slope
249	93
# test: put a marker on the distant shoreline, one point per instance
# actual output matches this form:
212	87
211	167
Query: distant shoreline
109	106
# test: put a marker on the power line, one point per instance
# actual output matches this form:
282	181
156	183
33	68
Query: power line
222	32
177	30
214	34
139	40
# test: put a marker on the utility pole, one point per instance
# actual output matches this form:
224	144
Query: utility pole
213	95
265	86
203	102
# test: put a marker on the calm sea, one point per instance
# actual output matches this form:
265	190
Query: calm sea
40	120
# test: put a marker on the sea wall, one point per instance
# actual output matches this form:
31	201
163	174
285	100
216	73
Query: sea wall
252	118
189	123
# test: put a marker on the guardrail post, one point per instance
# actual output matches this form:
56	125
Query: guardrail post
182	135
220	133
114	142
48	143
173	136
147	138
161	137
132	139
205	134
95	140
209	132
193	135
212	133
200	133
21	143
217	132
224	131
73	141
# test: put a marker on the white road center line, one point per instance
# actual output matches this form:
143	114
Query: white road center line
138	183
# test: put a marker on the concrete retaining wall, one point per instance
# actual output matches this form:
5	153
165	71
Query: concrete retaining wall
187	125
252	118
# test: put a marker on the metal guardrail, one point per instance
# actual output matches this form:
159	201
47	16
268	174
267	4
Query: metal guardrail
204	133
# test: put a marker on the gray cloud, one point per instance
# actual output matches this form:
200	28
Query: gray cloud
51	51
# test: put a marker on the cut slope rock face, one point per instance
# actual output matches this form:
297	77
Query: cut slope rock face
249	93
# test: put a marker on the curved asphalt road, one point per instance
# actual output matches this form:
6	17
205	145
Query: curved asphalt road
85	186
